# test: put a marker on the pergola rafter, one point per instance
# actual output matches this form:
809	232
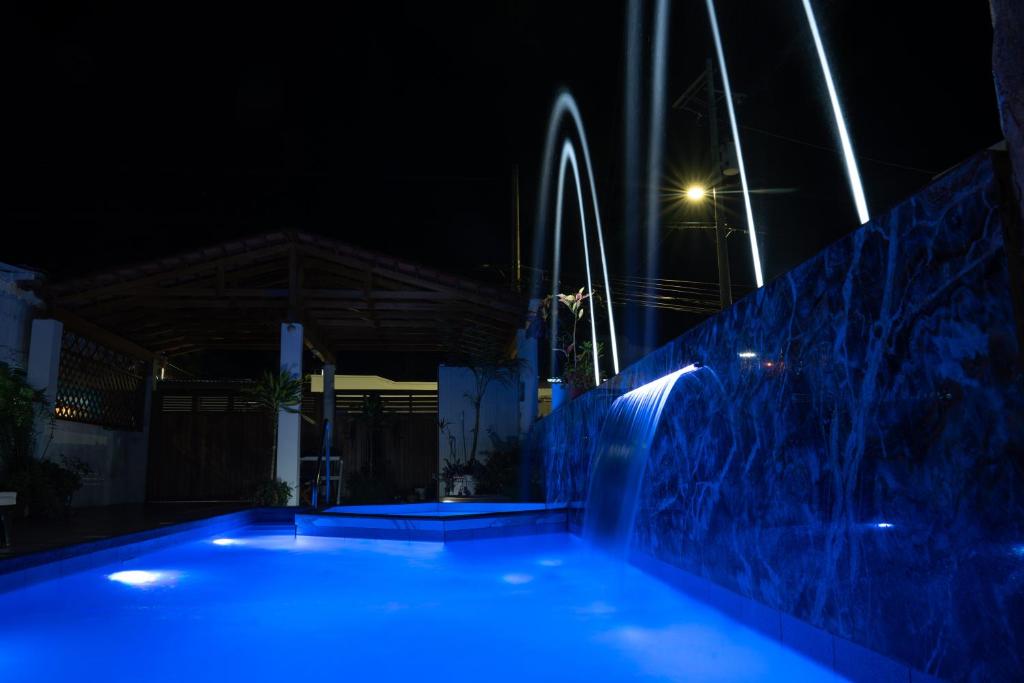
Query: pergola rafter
235	295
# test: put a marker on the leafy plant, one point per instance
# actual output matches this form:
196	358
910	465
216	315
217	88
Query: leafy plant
278	392
453	469
499	474
578	371
580	375
485	372
453	465
21	406
73	472
46	487
273	493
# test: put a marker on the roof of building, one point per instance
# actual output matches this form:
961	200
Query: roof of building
235	295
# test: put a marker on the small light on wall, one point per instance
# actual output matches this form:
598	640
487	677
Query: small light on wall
747	354
884	525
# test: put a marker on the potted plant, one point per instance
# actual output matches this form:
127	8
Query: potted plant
272	493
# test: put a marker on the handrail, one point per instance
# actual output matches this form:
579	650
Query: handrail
323	464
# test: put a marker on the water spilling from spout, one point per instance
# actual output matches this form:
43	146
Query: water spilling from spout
620	460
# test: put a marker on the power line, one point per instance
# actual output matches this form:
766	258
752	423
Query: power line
826	148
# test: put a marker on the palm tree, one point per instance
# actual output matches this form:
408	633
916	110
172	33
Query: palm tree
276	392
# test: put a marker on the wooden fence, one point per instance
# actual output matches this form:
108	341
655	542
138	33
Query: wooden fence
209	442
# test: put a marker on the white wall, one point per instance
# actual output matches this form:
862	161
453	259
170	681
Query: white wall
16	308
498	412
117	458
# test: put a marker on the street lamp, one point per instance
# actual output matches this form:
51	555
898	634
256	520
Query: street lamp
696	193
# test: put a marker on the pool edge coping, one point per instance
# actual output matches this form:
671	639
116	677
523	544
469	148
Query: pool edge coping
434	518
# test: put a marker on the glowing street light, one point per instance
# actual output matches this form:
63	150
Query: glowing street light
695	193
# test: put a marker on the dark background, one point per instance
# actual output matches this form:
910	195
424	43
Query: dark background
135	131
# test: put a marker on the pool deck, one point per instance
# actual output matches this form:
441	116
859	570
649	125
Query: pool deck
99	523
118	535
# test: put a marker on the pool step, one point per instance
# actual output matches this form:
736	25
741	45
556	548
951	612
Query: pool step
438	529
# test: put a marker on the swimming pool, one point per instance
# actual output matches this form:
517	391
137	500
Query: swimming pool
259	604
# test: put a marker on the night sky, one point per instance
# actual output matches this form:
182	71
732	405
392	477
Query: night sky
136	132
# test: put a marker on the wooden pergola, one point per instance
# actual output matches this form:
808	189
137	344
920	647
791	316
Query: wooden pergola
235	295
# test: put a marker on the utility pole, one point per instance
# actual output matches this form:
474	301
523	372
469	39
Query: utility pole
693	102
721	246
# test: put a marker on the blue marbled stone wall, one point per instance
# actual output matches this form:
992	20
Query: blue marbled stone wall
887	387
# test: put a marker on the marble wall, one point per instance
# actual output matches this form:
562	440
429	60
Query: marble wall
886	389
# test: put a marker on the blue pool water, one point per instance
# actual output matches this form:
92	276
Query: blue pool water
259	605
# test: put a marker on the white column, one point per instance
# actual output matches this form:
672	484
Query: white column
328	412
329	392
288	424
43	369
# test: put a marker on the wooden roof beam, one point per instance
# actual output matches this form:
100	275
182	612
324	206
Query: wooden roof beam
127	280
315	340
81	326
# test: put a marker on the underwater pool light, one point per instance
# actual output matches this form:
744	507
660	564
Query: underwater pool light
226	541
517	579
135	577
884	525
550	562
747	354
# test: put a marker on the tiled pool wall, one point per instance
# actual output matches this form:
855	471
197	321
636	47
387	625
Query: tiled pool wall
25	570
862	474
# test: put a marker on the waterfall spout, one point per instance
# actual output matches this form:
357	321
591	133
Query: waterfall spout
620	460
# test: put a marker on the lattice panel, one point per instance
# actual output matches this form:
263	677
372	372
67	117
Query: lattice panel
99	386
